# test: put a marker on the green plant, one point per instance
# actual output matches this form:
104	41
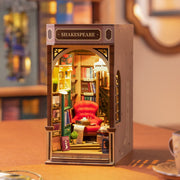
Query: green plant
74	135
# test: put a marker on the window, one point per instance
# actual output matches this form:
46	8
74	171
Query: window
118	97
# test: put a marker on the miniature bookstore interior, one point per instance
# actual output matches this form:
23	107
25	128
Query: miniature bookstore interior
80	103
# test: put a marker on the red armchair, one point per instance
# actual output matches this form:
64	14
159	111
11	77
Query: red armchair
87	109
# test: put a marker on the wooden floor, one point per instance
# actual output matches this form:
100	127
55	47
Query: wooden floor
86	146
79	152
25	143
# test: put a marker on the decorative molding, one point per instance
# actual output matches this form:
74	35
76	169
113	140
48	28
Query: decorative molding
57	51
103	51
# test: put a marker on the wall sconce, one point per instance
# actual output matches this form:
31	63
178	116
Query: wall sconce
100	66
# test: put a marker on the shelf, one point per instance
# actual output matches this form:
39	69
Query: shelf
56	120
56	133
86	65
88	79
56	108
55	93
88	94
38	90
106	88
67	89
67	65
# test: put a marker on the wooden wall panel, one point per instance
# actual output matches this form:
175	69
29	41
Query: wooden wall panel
124	63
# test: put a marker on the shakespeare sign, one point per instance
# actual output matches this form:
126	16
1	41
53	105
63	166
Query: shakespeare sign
79	34
66	34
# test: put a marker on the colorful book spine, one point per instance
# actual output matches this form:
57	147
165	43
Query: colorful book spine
64	13
67	118
87	72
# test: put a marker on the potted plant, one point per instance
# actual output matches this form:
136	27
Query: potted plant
55	84
74	136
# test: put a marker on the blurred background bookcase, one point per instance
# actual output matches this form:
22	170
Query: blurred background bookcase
35	14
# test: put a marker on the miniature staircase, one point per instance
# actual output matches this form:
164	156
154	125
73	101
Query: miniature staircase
86	146
80	156
88	153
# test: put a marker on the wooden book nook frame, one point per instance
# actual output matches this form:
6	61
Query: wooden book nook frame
114	45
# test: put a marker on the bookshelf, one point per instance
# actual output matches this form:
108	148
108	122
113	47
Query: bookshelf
103	93
61	100
56	106
56	120
66	114
84	82
74	84
88	83
65	77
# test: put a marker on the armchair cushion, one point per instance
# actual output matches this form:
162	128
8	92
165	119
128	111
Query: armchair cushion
86	106
87	109
91	128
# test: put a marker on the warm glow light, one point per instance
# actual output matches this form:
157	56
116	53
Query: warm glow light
17	20
24	23
63	92
52	20
52	7
16	64
7	18
27	65
100	66
69	6
65	68
138	13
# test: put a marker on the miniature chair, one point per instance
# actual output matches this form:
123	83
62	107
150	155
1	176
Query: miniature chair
87	110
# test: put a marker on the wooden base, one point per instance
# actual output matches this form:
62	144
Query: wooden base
80	163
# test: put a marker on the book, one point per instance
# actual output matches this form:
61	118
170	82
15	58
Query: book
82	97
56	113
87	73
66	118
57	126
91	72
84	87
70	115
56	145
56	141
65	143
64	13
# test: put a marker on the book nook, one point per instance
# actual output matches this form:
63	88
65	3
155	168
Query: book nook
90	88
